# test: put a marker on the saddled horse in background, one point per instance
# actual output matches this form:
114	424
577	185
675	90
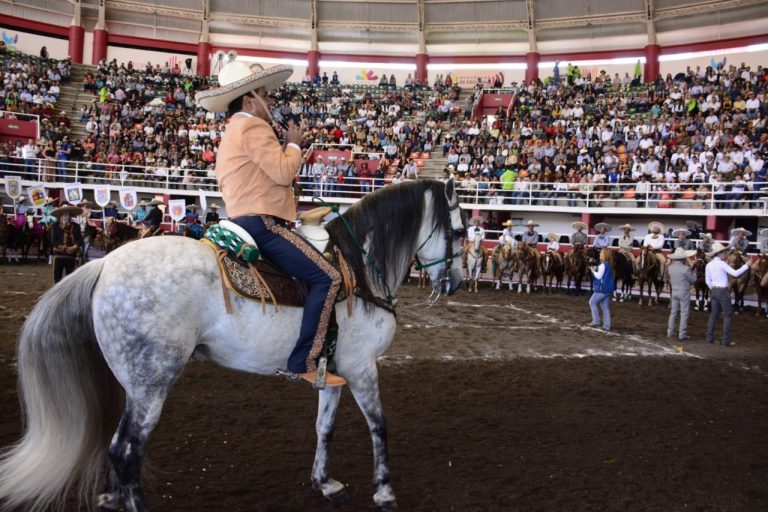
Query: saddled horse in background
116	233
505	261
624	271
528	265
474	263
738	285
700	287
93	386
552	268
29	236
760	276
575	267
650	273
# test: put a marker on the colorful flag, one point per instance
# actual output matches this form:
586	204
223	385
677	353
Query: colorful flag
12	186
128	198
37	195
73	193
177	209
101	195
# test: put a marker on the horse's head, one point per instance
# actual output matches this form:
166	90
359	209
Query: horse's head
547	262
442	232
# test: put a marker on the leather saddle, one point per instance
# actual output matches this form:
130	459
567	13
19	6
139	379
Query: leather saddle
255	278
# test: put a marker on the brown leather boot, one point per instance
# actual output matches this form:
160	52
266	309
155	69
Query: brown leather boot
331	380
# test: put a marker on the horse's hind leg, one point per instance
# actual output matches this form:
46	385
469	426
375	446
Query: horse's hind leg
326	418
365	389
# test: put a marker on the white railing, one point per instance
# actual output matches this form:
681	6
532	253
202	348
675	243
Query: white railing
537	196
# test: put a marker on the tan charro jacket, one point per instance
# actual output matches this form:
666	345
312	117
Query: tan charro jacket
255	174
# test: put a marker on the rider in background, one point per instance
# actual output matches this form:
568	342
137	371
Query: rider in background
602	240
655	241
739	240
626	243
475	231
579	238
682	241
255	175
531	237
508	236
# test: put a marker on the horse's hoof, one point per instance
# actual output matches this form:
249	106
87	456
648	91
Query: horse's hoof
108	502
385	498
388	505
333	490
338	497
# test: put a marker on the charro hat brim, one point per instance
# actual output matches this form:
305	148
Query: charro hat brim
603	225
627	226
681	254
219	98
741	230
71	210
476	218
678	231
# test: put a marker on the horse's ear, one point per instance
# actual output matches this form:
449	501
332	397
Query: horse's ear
449	189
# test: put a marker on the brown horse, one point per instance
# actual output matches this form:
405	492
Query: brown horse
505	262
760	275
117	233
552	268
575	267
528	265
624	271
650	272
700	286
738	285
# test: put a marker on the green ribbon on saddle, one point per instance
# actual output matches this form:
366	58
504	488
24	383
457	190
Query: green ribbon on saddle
230	241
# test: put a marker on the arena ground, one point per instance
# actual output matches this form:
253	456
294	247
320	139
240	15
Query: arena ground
496	402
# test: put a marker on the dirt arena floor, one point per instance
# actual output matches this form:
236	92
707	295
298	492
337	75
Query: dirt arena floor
496	402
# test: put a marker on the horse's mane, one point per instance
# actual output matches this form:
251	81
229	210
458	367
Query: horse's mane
389	220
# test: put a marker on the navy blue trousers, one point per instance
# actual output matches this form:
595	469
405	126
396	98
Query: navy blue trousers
297	257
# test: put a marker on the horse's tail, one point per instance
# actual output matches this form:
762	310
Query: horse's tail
70	399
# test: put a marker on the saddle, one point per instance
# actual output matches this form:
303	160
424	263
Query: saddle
247	274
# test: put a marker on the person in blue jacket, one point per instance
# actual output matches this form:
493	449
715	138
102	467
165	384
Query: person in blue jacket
604	284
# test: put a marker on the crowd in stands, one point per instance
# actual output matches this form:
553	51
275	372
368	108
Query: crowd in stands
31	86
678	138
609	137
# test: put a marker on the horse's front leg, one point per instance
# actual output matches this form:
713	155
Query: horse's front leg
328	403
365	389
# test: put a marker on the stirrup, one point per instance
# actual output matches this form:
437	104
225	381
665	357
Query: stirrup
291	376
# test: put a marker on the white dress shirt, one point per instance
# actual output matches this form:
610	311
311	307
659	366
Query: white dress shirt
475	232
655	243
717	273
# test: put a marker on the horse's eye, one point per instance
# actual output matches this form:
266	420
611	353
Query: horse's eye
458	233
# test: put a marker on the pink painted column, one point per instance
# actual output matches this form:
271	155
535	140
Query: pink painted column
718	226
99	46
203	58
421	68
532	60
76	37
313	63
652	52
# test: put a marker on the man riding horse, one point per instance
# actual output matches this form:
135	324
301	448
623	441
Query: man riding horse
626	243
474	232
602	240
531	236
654	241
255	175
153	220
683	242
706	242
579	238
739	242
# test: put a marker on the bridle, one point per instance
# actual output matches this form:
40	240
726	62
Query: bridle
449	235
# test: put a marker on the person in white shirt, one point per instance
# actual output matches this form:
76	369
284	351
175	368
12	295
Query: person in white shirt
508	236
475	231
655	240
716	276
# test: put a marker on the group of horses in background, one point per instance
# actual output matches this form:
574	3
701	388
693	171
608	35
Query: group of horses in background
648	271
20	243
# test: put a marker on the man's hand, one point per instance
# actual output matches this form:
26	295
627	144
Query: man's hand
294	134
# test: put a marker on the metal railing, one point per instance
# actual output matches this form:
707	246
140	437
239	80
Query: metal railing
348	189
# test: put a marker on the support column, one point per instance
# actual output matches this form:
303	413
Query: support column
204	46
532	60
313	63
100	35
719	226
76	35
421	68
652	52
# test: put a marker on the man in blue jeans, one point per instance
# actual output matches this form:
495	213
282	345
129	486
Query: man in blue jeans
604	285
716	276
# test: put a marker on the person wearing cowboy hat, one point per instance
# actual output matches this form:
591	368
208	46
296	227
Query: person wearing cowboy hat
141	211
695	229
682	241
531	237
681	279
88	228
579	237
21	211
716	276
48	207
110	210
191	224
706	242
255	174
764	241
475	231
508	235
66	240
212	217
655	240
602	240
154	217
739	240
553	247
627	243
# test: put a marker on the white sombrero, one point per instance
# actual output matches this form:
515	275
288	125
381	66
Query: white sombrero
531	224
238	78
764	232
681	254
155	202
508	224
49	200
214	206
654	225
741	230
603	225
550	236
579	224
706	235
627	226
476	218
717	248
678	231
693	224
